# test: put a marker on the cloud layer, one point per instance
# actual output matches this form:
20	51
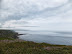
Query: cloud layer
45	14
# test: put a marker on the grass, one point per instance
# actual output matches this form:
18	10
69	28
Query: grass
8	34
6	38
10	45
28	47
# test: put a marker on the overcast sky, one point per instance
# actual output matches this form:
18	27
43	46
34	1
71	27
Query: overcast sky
36	14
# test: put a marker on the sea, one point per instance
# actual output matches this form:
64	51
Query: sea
45	36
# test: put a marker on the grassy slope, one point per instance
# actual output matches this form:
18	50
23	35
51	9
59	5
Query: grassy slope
28	47
8	34
6	38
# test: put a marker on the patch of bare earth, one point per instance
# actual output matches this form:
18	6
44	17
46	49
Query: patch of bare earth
52	48
10	41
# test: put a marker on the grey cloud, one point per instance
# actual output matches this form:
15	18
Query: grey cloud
18	10
48	12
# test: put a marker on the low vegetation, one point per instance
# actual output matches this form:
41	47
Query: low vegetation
27	47
8	34
17	46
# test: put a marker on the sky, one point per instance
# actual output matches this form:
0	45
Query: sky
36	14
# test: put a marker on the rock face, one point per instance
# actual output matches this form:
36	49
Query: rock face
8	34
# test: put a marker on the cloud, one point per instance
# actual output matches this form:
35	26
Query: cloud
46	14
14	23
20	8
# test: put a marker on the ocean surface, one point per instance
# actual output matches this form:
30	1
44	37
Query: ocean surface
52	37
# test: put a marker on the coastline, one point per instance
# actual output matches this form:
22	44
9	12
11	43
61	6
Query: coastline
16	38
17	46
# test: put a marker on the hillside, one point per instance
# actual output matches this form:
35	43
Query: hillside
9	44
8	34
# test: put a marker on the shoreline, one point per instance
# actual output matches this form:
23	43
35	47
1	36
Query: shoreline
12	45
17	38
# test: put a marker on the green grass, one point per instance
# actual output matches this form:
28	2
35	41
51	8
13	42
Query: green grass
6	38
8	34
28	47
